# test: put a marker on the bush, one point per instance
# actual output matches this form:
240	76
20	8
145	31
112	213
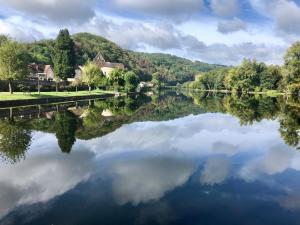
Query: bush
294	90
131	81
257	89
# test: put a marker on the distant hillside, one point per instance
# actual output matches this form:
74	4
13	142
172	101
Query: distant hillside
172	68
176	69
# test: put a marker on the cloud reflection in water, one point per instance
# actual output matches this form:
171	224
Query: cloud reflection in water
160	157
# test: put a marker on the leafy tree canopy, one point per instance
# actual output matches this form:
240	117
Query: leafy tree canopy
14	61
131	81
14	141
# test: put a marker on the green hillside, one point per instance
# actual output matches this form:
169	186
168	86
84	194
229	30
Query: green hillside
173	69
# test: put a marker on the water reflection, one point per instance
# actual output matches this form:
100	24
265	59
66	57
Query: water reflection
251	108
65	126
156	175
43	175
173	159
14	140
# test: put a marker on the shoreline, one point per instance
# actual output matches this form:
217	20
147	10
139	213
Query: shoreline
269	93
10	103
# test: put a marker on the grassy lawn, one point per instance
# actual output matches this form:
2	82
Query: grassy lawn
4	96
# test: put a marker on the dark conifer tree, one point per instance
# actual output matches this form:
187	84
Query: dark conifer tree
64	58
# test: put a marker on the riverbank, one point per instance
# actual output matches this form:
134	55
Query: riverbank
270	93
20	99
5	96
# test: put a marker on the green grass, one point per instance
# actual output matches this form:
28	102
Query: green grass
274	93
5	96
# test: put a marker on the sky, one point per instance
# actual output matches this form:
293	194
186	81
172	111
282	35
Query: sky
213	31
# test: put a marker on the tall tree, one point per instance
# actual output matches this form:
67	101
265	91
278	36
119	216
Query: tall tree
246	77
292	64
14	62
64	59
270	78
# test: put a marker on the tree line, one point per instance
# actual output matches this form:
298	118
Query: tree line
15	58
83	47
253	76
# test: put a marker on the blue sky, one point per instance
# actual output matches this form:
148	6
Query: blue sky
214	31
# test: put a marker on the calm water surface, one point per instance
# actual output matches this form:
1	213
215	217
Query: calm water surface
168	159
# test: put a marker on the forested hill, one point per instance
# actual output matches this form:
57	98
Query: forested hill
176	69
172	69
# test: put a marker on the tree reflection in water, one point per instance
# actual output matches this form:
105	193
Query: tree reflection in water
99	118
65	128
251	108
14	141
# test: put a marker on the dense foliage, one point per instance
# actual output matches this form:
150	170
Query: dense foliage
174	69
131	81
92	75
64	56
14	140
252	76
14	61
41	51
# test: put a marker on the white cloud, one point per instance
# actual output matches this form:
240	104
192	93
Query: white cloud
19	32
66	11
225	8
278	159
153	26
284	13
166	37
148	179
234	54
135	35
166	8
231	26
183	135
43	175
215	171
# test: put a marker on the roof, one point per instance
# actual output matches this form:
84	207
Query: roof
113	65
39	68
99	58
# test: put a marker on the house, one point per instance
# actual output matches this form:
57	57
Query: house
144	84
41	72
78	74
107	67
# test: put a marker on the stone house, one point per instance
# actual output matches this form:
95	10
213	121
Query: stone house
107	67
41	72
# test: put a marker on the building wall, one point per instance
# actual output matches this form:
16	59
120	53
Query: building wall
107	71
50	74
